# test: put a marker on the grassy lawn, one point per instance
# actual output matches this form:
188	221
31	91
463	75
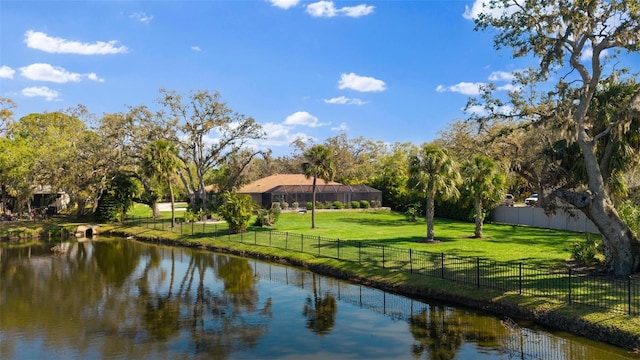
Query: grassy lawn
534	246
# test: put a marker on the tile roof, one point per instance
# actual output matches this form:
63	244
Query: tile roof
267	183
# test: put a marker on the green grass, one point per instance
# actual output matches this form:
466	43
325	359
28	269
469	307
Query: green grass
500	242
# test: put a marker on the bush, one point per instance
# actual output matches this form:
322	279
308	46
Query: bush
364	204
412	213
338	204
275	205
284	205
266	217
237	211
585	252
189	216
295	205
309	205
319	205
355	204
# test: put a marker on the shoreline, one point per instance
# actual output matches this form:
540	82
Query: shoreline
501	305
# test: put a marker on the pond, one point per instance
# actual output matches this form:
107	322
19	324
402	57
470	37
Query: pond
121	299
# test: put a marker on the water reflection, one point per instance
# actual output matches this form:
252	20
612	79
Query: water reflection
125	299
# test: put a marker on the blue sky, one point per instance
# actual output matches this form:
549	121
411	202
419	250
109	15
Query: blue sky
394	71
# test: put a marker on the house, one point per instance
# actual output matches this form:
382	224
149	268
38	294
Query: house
292	188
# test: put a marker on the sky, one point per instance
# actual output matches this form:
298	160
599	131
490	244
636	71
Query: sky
394	70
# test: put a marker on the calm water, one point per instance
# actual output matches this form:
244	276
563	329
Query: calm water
119	299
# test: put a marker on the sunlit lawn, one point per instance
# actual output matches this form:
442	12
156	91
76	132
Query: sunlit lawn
500	242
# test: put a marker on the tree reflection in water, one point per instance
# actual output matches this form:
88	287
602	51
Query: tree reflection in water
219	321
320	311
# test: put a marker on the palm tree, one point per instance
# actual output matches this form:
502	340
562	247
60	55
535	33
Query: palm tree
433	172
319	163
160	160
484	184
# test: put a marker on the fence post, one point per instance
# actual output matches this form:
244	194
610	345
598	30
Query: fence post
410	261
629	295
302	243
442	265
478	272
286	240
520	279
569	285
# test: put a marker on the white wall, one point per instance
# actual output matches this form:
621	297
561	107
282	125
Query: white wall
535	216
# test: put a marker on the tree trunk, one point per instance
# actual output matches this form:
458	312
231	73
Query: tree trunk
621	246
313	204
173	206
479	217
155	209
429	212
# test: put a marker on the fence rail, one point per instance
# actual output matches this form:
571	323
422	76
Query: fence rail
604	292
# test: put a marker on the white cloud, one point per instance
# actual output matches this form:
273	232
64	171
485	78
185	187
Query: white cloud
284	4
6	72
466	88
342	127
46	72
94	77
41	91
41	41
325	8
322	9
501	76
357	11
302	118
360	83
479	110
196	48
343	100
478	7
279	135
141	17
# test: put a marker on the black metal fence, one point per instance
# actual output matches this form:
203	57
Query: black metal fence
563	284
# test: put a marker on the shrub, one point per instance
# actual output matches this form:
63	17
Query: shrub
295	205
364	204
338	204
266	217
319	205
275	205
237	211
189	216
355	204
309	205
412	213
585	252
284	205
